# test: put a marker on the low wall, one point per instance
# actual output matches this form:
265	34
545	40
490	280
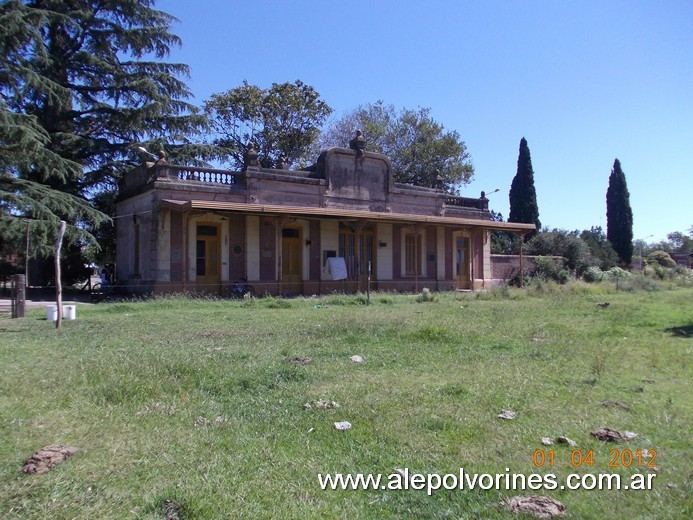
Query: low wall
504	267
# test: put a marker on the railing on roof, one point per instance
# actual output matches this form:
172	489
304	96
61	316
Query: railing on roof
209	175
466	202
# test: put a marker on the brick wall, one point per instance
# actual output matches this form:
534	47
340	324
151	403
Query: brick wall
504	267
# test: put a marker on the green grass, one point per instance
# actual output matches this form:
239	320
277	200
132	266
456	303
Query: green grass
193	401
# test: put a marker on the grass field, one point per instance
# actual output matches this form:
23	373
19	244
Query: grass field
190	407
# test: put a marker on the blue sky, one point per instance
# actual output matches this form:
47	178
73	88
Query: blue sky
585	82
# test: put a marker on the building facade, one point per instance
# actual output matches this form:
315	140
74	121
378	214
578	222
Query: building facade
330	228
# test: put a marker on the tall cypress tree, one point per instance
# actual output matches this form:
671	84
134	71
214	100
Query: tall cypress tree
523	196
82	83
619	216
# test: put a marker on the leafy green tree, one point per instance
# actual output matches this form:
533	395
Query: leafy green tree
567	244
600	247
375	120
282	120
523	196
619	216
502	242
419	147
680	243
76	97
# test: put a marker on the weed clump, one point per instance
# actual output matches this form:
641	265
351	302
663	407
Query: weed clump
426	296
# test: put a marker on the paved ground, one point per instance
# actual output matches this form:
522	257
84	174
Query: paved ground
6	305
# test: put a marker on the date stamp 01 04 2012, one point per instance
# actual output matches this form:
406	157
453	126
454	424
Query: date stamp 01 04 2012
617	458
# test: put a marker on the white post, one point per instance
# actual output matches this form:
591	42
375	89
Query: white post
58	282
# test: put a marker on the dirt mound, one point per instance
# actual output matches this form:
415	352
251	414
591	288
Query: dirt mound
609	435
542	507
45	458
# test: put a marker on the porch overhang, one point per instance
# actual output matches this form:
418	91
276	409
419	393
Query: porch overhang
303	211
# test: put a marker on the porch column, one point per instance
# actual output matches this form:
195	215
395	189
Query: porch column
184	248
358	228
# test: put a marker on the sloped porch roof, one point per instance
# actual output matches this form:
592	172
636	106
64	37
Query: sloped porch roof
270	209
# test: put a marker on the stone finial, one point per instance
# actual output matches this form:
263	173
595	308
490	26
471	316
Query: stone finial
281	162
358	143
162	158
437	181
250	157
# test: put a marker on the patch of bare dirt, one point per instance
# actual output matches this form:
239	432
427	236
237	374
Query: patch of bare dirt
302	361
45	458
609	435
541	507
612	404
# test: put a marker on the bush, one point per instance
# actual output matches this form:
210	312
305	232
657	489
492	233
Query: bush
515	278
660	258
682	276
656	271
682	272
426	296
551	269
545	287
593	274
639	282
558	242
616	273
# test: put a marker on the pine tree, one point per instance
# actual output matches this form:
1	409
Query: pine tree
76	99
523	197
619	216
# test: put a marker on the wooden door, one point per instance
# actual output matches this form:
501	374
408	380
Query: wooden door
207	258
292	261
462	263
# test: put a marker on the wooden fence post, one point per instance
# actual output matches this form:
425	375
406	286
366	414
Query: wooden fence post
18	295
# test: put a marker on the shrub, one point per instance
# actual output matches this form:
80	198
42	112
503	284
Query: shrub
639	282
514	278
656	271
682	276
558	242
593	274
660	258
549	269
616	273
545	287
426	296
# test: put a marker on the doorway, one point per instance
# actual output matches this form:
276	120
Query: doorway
292	261
207	264
462	263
